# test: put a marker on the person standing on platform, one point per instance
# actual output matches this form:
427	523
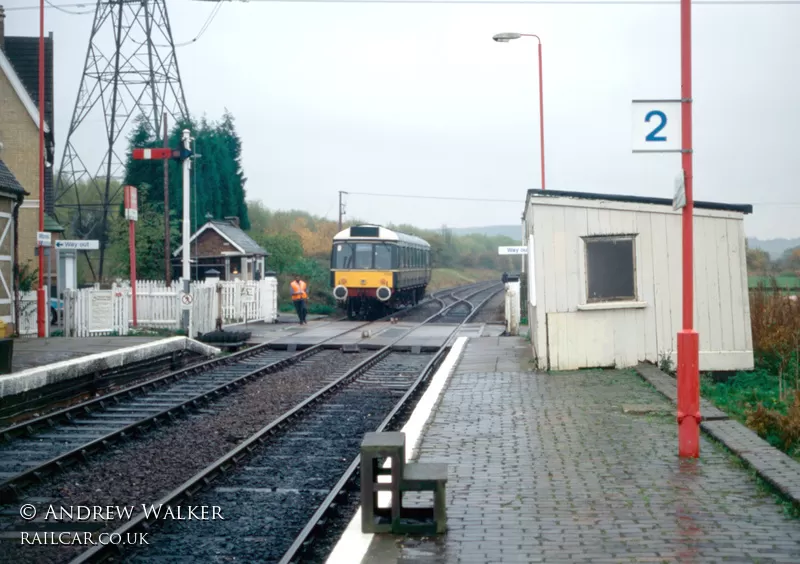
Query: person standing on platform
299	297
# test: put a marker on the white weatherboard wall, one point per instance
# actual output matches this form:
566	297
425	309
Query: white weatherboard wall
571	334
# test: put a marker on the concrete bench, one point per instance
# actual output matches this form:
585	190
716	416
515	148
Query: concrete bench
376	449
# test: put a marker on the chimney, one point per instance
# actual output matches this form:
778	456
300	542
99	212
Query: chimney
2	28
233	220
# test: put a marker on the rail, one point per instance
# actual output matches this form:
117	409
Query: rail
59	461
303	540
224	463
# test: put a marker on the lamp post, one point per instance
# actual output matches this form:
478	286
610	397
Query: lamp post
505	38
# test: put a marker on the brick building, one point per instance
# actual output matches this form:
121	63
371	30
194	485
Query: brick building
19	136
224	247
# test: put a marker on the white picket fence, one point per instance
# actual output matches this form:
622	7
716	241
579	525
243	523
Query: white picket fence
28	314
95	312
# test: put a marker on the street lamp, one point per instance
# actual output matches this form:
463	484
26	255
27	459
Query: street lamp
505	38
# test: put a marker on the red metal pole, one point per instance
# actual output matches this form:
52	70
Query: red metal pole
541	110
41	308
688	339
132	245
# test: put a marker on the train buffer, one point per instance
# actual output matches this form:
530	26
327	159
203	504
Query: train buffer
377	448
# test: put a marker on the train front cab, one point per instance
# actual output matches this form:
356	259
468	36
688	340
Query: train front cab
378	275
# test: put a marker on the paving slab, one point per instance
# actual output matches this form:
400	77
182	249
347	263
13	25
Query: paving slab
315	333
547	467
431	335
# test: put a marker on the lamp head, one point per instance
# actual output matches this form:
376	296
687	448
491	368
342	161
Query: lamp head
506	37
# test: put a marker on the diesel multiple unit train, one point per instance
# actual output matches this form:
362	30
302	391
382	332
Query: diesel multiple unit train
375	270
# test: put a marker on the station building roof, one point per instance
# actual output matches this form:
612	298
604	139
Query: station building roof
539	193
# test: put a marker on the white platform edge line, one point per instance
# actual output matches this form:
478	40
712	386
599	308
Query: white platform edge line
353	544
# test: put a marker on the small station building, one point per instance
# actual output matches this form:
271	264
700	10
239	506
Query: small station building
222	246
604	281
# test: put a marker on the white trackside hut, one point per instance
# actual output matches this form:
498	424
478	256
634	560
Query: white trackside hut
604	281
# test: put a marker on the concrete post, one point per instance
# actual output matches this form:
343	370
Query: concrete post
512	307
186	311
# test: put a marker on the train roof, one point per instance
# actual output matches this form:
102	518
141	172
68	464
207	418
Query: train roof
378	233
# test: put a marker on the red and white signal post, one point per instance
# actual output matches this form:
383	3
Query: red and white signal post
132	215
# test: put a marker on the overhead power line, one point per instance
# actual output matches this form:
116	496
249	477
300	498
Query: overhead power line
501	200
483	2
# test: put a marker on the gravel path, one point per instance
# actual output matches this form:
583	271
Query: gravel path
146	469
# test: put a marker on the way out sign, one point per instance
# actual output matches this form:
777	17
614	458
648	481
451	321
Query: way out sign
512	250
656	126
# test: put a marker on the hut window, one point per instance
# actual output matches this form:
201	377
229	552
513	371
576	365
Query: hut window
610	268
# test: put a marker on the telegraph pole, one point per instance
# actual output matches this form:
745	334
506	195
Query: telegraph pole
341	208
41	305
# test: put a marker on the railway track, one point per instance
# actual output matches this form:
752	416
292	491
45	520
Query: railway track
40	447
273	492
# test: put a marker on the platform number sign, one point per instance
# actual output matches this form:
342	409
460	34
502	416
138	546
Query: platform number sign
656	126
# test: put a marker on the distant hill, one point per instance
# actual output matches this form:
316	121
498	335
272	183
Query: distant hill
774	247
513	231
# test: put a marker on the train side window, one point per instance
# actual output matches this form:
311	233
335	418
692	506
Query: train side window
383	257
343	255
363	255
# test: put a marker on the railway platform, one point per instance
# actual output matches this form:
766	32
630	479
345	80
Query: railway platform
577	467
32	353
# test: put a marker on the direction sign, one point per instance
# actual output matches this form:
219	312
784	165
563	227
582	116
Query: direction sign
512	250
187	299
656	126
90	245
131	203
43	238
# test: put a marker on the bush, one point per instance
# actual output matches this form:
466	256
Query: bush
775	320
768	399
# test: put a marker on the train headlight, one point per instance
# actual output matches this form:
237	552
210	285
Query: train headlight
383	293
340	293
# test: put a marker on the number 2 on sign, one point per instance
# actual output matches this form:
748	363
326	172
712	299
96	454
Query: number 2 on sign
653	135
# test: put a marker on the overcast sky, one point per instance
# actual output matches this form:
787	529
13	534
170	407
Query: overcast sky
418	99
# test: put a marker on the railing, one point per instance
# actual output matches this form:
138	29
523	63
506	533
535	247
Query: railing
95	312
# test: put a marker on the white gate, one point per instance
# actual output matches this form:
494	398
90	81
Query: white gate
95	312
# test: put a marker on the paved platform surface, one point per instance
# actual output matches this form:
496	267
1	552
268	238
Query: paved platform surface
32	353
550	468
339	333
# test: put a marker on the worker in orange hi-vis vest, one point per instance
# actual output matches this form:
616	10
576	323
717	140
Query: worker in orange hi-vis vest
299	297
